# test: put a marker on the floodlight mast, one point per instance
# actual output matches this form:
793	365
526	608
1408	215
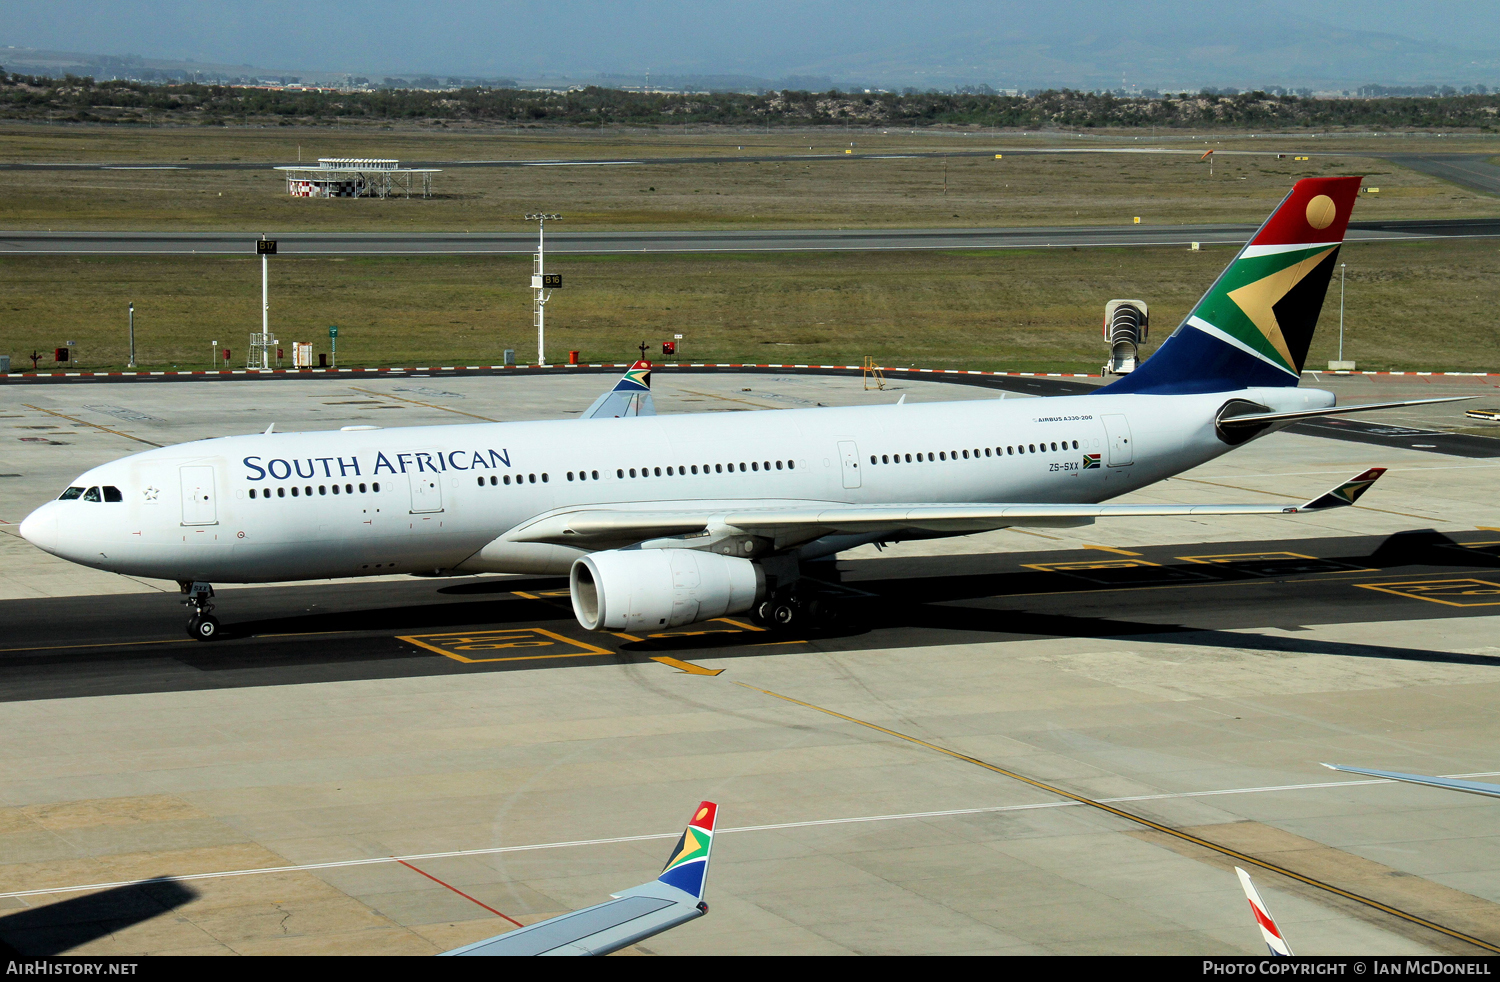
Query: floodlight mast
541	296
265	305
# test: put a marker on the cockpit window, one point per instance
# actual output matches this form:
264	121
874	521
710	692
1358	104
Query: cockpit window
112	494
70	494
92	494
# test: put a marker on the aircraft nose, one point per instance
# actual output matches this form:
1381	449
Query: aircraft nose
40	528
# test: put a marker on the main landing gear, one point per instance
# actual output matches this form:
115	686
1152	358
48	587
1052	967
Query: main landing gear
795	611
201	625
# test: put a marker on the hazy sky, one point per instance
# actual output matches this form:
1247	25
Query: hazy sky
774	38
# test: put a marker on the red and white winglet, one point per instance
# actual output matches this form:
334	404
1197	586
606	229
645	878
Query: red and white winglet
1268	928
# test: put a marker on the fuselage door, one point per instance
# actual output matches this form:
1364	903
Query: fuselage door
849	454
199	505
426	490
1117	435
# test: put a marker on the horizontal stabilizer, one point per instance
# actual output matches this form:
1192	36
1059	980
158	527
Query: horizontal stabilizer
631	916
1447	783
1260	420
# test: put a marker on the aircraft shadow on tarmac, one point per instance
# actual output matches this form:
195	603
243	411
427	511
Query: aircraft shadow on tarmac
68	924
908	602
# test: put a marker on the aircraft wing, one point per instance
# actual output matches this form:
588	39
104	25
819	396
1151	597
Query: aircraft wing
631	396
675	897
1448	783
802	521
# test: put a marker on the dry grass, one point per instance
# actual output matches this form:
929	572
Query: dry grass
1410	306
860	191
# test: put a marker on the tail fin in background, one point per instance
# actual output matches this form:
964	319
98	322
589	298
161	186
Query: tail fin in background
1254	325
1268	929
631	396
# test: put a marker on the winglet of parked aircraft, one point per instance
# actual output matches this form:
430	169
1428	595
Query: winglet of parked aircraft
631	396
673	898
1268	929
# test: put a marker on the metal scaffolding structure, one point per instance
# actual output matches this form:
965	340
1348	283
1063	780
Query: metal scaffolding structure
354	177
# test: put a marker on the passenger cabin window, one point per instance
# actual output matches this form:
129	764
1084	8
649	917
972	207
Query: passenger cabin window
70	494
92	494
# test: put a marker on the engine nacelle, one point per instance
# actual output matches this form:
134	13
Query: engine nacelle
652	589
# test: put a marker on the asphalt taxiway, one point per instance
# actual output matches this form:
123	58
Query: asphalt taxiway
165	243
56	648
1027	741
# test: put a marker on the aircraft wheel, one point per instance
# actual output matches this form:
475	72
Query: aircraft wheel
762	613
783	615
204	627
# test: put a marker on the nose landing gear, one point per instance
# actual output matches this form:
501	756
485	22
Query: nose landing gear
202	625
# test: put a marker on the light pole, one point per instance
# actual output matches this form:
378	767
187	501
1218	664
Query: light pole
539	283
265	248
132	335
1341	310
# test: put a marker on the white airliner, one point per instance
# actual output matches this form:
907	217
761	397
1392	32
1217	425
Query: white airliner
667	520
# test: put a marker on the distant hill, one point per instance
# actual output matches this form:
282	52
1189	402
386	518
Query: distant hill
81	100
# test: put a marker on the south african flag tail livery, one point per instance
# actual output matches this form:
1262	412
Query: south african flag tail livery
673	898
1253	326
687	867
631	396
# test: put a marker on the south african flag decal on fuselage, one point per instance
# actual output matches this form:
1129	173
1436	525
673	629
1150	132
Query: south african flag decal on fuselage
1090	461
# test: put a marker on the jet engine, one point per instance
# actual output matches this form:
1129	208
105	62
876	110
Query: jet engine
652	589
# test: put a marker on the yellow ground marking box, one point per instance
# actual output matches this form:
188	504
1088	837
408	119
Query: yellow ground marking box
1113	571
508	644
1271	563
735	627
1085	564
1454	593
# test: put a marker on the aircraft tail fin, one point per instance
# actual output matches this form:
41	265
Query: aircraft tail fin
631	396
687	868
1268	929
1254	325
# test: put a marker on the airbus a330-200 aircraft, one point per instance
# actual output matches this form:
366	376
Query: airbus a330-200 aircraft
662	521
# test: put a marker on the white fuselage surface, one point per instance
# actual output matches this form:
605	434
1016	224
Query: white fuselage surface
287	506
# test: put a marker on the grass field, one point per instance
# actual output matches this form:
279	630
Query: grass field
1423	305
1411	306
859	191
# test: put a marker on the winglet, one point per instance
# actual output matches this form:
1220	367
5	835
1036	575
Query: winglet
631	395
1263	919
687	869
1347	493
637	378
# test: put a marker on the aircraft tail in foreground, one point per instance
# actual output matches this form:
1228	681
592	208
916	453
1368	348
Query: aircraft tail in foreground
631	396
1254	325
1268	929
675	897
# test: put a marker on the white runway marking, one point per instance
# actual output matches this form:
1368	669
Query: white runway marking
905	816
